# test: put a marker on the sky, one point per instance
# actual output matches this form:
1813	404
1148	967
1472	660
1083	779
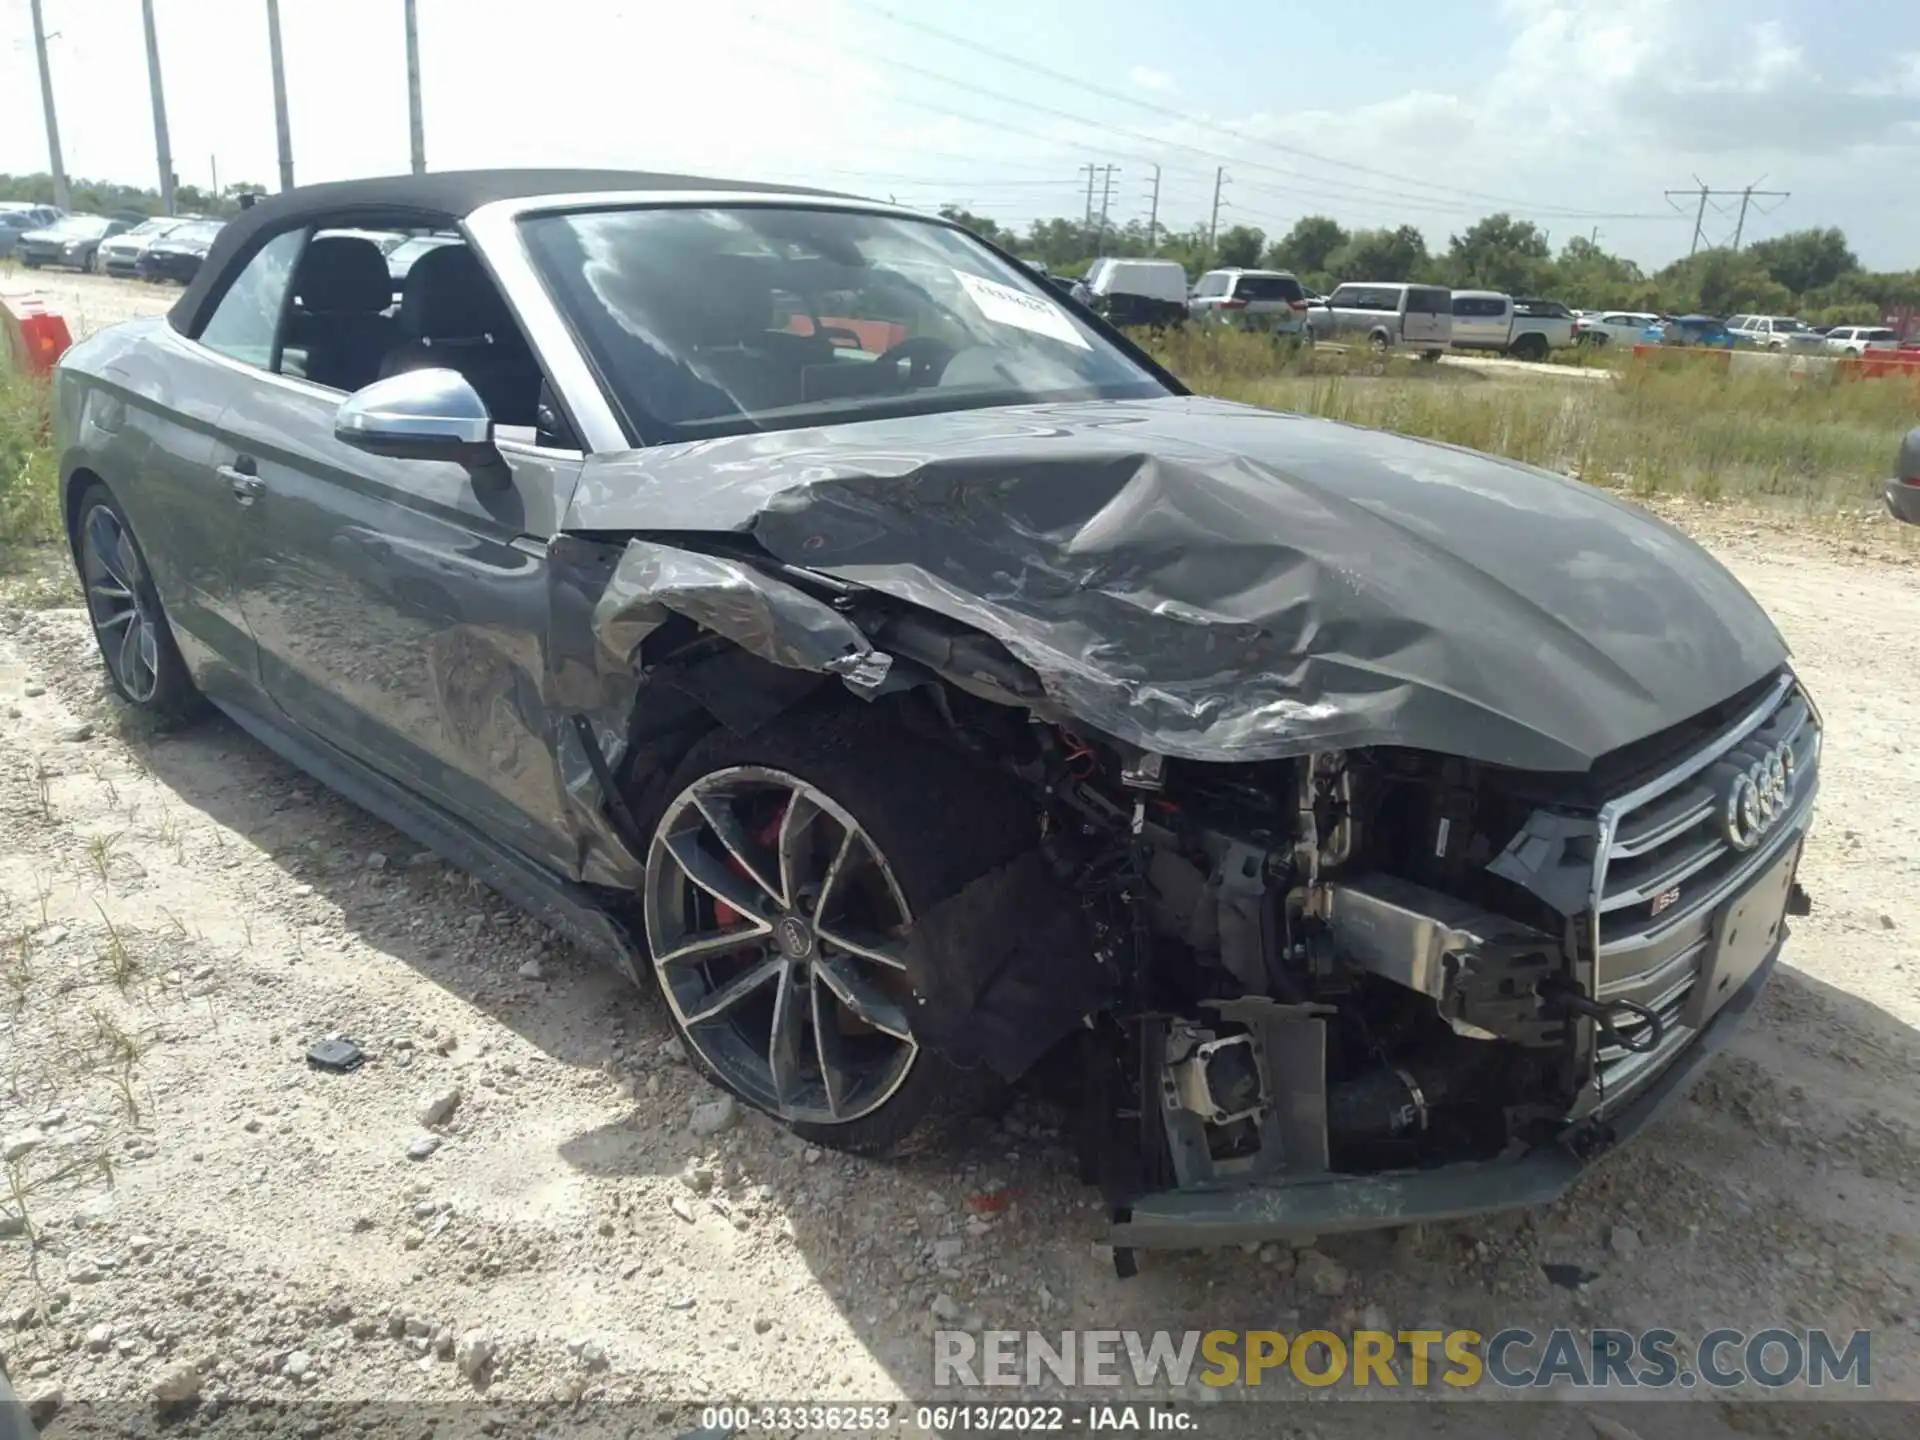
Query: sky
1577	114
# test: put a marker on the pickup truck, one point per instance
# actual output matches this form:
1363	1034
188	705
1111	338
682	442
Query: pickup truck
1524	328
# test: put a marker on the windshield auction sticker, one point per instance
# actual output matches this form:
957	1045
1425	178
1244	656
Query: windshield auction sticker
1005	305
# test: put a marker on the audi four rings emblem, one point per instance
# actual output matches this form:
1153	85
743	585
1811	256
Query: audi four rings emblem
1756	798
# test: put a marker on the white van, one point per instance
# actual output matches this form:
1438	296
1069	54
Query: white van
1138	292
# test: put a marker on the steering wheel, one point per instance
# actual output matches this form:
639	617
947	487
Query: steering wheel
926	359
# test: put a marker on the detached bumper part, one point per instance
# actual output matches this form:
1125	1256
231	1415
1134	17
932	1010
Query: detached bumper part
1331	1204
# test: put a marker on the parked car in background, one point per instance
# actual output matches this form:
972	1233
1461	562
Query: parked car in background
910	692
1271	301
177	256
1610	327
1138	292
1490	320
1775	332
1388	317
72	242
401	257
1861	339
1706	332
17	217
1903	491
121	254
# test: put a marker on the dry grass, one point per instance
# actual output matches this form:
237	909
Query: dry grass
1820	444
29	507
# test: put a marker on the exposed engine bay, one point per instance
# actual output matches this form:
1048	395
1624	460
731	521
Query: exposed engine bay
1297	966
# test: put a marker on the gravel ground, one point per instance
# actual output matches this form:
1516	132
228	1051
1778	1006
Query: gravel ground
524	1192
89	302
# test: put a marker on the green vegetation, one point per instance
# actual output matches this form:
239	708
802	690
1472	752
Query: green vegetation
1811	273
1683	427
29	510
109	197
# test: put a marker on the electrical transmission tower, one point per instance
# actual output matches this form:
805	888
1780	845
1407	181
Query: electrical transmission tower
1705	196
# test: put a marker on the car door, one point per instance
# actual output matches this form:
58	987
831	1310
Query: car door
166	465
400	606
1426	317
1481	322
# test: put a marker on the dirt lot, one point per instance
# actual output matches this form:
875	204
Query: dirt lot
89	302
181	916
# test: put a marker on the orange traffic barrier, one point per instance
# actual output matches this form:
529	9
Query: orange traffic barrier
36	336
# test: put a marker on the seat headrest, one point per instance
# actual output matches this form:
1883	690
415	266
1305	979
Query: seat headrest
343	275
448	296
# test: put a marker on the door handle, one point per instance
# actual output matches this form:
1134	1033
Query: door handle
245	484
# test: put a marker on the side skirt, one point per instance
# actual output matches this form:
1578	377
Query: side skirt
561	904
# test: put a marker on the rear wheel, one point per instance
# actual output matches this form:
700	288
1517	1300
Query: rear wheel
783	876
1377	342
143	664
1530	347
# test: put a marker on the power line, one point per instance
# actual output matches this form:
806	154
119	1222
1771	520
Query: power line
1572	212
1106	128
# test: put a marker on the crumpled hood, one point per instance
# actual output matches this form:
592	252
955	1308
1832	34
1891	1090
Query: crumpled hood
1219	582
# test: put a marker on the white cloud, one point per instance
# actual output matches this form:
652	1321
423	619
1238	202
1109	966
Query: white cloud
1148	78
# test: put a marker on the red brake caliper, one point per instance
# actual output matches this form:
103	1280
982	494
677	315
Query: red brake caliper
724	914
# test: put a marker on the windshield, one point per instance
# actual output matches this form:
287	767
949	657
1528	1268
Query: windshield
199	231
706	322
80	226
1788	324
159	225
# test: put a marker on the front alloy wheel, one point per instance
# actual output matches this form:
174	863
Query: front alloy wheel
136	644
117	603
774	922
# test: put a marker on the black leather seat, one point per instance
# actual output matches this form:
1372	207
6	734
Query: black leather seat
341	292
455	318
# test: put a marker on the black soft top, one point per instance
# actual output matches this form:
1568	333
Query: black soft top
402	200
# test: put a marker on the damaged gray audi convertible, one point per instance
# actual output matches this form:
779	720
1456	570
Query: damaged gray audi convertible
790	598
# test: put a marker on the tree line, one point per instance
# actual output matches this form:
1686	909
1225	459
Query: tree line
1812	273
108	197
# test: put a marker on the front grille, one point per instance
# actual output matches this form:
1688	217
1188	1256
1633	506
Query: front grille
1665	867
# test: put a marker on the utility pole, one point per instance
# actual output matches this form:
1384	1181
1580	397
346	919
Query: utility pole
1699	215
1706	193
1746	199
162	149
416	126
62	195
283	133
1213	225
1091	170
1106	200
1153	209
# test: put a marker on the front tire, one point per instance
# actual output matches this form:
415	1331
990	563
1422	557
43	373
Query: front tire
136	641
784	871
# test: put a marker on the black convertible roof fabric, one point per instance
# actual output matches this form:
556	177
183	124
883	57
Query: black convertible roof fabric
417	199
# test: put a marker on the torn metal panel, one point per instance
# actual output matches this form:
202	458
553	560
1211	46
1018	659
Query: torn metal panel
1216	582
764	615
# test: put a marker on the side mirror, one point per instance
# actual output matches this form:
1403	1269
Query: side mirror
418	415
